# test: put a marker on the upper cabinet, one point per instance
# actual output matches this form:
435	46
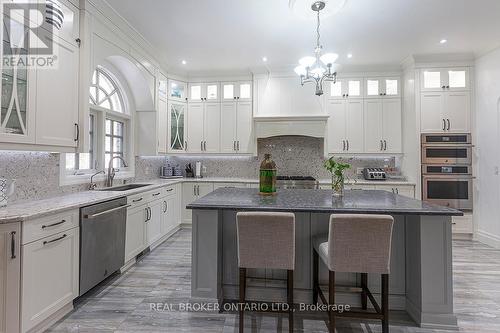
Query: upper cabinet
383	87
34	99
204	92
177	90
345	88
445	79
240	90
177	120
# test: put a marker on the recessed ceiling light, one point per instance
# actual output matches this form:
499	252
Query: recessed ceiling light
184	62
264	59
349	55
443	41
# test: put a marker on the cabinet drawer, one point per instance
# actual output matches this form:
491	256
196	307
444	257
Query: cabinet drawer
49	225
170	190
139	199
156	194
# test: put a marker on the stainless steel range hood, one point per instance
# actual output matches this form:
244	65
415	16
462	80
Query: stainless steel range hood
269	126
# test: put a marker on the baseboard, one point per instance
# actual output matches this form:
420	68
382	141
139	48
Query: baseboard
463	236
185	225
52	319
488	238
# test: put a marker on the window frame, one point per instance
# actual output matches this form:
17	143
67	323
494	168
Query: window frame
73	177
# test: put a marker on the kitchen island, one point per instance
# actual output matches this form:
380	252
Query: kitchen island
421	281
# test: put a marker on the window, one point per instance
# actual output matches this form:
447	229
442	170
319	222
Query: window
114	142
109	131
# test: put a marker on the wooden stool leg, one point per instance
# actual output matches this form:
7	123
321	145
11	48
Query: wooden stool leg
385	303
315	276
364	296
331	300
289	292
243	279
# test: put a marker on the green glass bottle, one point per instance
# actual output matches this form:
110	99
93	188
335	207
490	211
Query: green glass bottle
267	179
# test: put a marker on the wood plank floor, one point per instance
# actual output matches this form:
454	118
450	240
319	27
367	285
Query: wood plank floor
124	303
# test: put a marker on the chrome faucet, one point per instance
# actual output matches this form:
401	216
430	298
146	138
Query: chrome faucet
112	171
93	185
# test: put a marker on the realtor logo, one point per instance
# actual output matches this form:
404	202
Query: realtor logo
28	30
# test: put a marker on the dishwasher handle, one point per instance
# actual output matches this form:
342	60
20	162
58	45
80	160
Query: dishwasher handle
91	216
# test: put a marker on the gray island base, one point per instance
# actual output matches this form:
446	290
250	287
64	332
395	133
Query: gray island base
421	281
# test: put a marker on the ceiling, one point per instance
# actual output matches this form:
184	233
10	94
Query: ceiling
234	35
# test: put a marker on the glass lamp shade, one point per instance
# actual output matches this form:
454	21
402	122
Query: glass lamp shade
307	61
329	58
300	70
317	72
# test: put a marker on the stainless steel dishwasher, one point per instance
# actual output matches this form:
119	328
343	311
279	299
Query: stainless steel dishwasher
102	241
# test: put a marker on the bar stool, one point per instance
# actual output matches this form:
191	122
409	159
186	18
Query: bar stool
266	240
357	244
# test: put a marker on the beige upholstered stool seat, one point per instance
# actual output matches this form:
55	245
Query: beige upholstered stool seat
266	240
358	244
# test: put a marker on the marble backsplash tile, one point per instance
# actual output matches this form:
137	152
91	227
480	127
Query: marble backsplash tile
37	174
294	155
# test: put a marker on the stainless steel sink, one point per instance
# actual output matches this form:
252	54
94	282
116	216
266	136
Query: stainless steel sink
123	187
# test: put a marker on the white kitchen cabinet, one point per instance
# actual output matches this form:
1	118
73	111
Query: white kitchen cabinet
447	112
190	192
154	222
345	88
236	127
168	222
385	87
345	126
445	79
50	276
204	92
177	114
204	127
239	90
162	110
57	96
135	239
383	125
177	91
10	277
462	224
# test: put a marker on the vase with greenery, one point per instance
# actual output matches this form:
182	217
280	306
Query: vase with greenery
337	169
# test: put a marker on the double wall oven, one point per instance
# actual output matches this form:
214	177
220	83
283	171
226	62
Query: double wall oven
447	170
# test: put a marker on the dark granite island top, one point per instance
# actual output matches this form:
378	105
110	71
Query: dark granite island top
319	201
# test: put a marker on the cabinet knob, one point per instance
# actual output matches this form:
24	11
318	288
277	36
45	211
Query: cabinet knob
380	94
447	87
443	87
234	97
346	95
385	94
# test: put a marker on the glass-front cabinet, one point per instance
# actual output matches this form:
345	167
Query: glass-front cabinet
445	79
16	119
382	87
204	92
177	119
177	90
240	90
345	88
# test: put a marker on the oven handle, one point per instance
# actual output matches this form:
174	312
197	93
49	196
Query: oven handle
445	176
447	145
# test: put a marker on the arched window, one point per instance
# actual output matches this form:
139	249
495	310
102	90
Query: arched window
104	92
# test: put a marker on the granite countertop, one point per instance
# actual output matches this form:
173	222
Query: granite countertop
319	201
22	211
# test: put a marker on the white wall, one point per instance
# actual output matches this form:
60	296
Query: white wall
487	195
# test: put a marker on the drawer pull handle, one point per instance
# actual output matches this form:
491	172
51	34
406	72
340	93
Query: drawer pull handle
137	200
53	224
55	240
156	194
13	245
170	190
91	216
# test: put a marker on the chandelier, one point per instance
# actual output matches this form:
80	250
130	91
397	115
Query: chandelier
317	68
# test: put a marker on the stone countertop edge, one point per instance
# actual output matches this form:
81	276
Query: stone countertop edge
30	209
319	201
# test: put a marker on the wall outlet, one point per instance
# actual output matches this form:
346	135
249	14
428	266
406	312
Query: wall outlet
359	171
